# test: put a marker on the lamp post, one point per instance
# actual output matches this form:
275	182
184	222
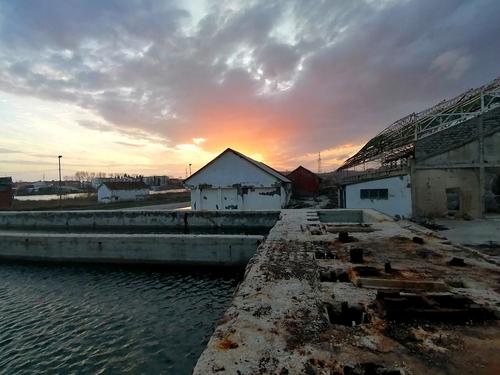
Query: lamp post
60	192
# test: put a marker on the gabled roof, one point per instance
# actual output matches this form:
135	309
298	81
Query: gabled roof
300	167
258	164
125	185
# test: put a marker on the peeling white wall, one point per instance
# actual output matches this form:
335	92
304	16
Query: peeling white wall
229	199
398	202
233	183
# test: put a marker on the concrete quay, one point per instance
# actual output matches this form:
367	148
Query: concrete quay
122	236
96	219
193	250
415	304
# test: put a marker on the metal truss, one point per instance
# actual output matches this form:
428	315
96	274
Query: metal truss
396	143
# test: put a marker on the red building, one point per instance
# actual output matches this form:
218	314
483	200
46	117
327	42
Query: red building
6	193
304	182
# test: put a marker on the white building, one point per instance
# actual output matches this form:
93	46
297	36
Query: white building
443	161
116	191
233	181
391	195
98	181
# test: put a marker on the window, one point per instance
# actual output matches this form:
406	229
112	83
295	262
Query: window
453	199
374	193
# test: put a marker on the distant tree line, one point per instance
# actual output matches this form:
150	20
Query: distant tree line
84	176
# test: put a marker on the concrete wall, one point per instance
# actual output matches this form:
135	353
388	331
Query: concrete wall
398	202
150	219
492	193
466	153
458	136
432	178
431	185
227	250
492	149
239	198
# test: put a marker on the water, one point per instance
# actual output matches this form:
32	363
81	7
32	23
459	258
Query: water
95	319
48	197
153	192
259	231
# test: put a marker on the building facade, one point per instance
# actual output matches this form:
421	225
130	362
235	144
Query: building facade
233	181
391	195
444	161
155	181
119	191
6	193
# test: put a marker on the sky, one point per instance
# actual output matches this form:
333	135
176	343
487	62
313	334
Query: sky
149	86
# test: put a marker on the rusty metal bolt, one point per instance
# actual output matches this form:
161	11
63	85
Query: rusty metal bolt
356	255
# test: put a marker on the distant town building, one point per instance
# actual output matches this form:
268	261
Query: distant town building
98	181
304	182
176	182
155	180
6	192
442	161
116	191
233	181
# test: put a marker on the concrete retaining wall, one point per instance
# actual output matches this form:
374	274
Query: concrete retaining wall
150	219
226	250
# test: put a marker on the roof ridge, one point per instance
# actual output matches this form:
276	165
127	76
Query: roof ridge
262	166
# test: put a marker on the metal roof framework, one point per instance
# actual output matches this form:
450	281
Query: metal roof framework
395	144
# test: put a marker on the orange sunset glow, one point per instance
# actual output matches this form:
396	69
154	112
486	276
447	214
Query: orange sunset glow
280	82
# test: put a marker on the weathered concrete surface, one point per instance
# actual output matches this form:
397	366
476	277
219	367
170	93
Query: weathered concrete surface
186	249
165	206
147	218
287	316
482	235
472	232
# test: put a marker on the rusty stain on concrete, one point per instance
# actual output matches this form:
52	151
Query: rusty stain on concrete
300	309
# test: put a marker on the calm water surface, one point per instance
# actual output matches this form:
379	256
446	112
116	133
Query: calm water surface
48	197
78	319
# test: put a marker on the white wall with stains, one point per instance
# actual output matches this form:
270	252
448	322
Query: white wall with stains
399	196
233	183
246	198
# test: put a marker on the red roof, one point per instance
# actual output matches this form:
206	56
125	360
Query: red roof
125	185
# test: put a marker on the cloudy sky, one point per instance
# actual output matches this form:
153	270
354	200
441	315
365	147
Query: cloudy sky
147	86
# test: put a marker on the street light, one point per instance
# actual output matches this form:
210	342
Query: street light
189	169
60	192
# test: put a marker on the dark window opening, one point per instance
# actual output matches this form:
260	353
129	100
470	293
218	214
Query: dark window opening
495	185
374	193
453	199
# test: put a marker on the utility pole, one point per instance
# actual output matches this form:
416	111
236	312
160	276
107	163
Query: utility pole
60	192
189	169
319	162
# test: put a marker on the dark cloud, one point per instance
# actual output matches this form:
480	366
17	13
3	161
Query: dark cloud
297	76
